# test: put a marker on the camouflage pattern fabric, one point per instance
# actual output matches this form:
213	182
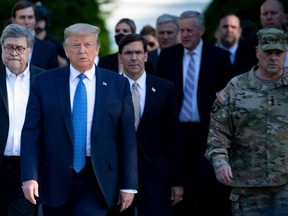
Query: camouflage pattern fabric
256	201
249	130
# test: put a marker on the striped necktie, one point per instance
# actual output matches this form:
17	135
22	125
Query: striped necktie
136	104
186	109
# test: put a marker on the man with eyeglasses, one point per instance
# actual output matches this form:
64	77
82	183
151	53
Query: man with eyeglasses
43	53
15	75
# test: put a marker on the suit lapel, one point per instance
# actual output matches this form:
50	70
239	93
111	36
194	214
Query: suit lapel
3	87
151	97
102	85
63	89
33	72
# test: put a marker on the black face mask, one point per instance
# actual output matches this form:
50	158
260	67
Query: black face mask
118	38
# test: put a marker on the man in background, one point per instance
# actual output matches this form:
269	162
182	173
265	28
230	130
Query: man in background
272	14
167	34
198	70
42	31
228	34
43	53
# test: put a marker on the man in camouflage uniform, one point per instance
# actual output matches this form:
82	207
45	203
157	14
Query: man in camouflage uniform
248	134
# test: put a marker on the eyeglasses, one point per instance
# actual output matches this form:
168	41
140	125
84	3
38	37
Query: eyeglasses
151	44
39	30
10	49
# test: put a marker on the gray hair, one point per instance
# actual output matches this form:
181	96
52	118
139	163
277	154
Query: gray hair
81	29
199	18
17	31
167	18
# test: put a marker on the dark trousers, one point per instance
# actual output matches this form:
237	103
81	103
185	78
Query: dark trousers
85	199
147	205
12	200
202	192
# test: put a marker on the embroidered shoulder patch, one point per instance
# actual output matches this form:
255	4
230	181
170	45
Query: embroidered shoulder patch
222	96
216	106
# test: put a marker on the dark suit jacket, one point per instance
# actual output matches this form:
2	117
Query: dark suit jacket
4	123
246	55
160	148
153	58
215	72
110	62
44	55
47	136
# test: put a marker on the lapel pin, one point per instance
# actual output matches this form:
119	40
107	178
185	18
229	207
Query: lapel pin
104	83
153	89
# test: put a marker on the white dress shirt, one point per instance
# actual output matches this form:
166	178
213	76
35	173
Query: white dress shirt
141	88
18	88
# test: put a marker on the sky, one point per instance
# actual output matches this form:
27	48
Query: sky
145	12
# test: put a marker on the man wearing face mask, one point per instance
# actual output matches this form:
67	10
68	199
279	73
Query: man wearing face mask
123	27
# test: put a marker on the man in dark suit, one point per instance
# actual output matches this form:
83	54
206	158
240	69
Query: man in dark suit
44	54
167	32
212	70
108	173
228	34
159	140
15	77
272	14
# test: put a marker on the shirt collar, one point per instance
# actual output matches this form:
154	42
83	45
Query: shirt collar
24	74
89	73
141	81
197	50
231	49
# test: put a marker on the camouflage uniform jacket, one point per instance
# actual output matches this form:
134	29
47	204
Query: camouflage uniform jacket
249	130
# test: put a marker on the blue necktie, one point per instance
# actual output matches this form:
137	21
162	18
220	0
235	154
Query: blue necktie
186	109
80	125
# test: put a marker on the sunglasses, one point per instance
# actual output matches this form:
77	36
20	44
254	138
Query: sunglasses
38	30
151	44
